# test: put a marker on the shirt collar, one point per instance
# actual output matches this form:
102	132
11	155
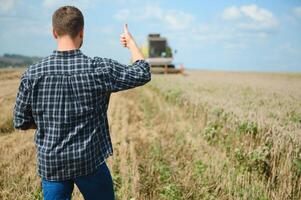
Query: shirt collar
67	53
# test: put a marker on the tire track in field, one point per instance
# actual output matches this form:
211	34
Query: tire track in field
124	124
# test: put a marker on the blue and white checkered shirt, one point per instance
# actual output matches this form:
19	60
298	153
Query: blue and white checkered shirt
66	95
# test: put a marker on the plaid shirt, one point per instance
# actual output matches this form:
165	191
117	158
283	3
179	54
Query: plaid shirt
66	95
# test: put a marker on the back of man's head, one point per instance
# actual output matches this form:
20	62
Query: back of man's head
67	20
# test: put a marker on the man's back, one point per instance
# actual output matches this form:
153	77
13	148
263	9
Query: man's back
67	94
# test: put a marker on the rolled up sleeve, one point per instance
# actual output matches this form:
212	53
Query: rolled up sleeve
22	111
125	77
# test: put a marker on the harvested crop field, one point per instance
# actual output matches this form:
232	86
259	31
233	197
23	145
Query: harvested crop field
203	135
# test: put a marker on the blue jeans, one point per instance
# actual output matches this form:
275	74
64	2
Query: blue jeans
97	186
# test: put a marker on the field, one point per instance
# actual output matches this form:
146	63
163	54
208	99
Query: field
204	135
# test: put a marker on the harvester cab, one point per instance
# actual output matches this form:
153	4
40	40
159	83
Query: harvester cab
159	55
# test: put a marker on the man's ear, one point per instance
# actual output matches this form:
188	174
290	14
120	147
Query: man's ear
81	33
54	33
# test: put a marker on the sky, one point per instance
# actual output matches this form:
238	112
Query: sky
213	35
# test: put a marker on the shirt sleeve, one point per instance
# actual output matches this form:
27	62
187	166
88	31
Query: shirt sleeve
22	111
123	77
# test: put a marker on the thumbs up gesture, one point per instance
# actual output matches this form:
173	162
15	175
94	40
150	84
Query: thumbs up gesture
128	41
126	38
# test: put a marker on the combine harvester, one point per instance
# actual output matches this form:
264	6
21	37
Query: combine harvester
159	55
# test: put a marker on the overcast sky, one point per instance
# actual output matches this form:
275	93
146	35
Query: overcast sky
220	35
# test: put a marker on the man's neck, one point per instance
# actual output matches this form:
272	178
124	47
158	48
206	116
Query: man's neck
67	44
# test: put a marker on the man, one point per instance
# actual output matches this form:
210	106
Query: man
65	97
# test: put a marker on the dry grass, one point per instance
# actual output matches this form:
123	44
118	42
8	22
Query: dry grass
207	135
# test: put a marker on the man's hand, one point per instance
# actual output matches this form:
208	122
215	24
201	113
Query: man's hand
128	41
126	38
33	126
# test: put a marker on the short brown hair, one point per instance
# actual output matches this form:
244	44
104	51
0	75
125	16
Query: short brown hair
68	20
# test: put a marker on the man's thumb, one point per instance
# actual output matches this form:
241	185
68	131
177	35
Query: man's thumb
125	28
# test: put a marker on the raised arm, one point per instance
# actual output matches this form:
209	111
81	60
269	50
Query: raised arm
120	76
123	77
